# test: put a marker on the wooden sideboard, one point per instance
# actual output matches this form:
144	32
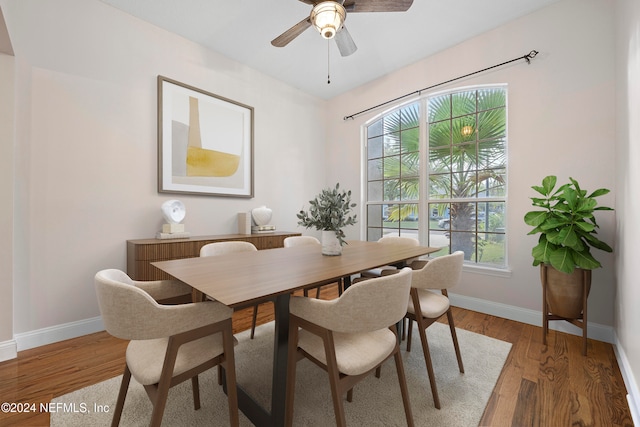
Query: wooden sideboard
141	253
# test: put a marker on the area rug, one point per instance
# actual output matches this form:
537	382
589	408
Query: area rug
377	402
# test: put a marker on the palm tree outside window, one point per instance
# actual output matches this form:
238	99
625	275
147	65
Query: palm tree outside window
461	138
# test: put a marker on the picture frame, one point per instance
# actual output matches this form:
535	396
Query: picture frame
205	142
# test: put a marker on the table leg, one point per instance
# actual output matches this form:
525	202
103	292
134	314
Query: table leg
258	415
280	349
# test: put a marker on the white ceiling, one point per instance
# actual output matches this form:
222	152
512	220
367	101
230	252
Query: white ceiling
243	29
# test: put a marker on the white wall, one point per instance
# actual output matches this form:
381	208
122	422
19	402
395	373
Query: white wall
627	204
561	122
7	347
86	113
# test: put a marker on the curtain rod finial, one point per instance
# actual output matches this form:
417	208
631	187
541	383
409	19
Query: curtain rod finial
530	56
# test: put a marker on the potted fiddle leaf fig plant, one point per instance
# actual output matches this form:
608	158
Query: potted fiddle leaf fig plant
330	212
564	219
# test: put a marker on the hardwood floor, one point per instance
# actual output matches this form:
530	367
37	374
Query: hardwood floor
556	386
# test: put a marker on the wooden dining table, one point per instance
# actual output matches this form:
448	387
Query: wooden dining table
245	278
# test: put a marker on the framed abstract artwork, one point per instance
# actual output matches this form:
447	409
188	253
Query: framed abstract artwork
205	142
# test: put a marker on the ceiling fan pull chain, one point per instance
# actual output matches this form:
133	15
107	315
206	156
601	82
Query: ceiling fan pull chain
328	64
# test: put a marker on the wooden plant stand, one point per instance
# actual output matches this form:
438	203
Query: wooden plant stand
580	321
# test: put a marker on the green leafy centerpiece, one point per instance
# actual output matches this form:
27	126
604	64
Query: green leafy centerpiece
330	213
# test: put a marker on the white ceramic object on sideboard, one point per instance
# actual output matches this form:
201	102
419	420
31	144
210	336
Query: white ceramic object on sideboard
330	243
261	215
173	211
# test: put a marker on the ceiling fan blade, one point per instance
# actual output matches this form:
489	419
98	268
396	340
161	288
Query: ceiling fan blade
345	43
285	38
377	5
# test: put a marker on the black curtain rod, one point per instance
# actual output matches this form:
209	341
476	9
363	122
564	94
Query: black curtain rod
526	57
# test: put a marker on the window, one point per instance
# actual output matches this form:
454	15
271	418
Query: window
463	203
393	178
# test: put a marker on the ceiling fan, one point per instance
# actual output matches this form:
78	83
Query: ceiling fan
328	18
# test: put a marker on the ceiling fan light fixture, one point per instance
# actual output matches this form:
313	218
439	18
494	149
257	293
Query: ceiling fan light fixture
327	17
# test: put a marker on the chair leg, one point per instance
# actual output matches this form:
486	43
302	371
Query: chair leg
122	394
338	406
427	360
334	380
195	385
454	336
403	387
160	401
254	320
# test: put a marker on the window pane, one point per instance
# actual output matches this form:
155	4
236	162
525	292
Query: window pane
439	108
374	215
440	160
463	216
374	169
410	140
410	165
374	191
464	242
391	189
492	124
496	185
409	189
392	167
463	185
440	186
491	98
439	134
463	103
392	122
491	153
392	144
464	129
375	129
374	147
463	158
410	116
491	249
373	234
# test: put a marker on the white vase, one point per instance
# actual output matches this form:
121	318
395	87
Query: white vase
261	215
330	243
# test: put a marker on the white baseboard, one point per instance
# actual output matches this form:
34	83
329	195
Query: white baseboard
595	331
8	350
57	333
633	392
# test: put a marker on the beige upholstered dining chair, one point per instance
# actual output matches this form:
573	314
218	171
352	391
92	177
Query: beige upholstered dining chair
427	306
294	241
385	240
349	337
221	248
169	343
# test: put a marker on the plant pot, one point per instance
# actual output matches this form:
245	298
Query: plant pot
330	244
565	292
